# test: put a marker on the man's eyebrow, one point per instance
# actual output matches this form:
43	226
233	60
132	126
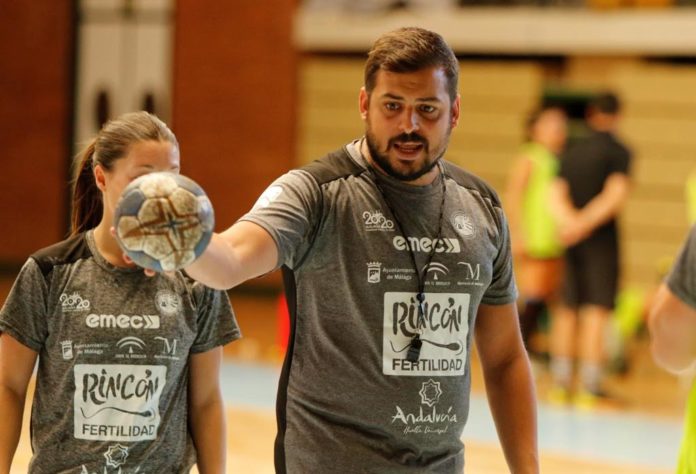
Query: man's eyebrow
389	95
429	99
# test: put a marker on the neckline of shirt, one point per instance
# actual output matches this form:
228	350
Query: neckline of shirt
103	262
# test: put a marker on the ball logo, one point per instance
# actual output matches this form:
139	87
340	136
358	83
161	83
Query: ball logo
463	224
168	302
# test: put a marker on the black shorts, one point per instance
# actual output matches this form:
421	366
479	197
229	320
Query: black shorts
592	273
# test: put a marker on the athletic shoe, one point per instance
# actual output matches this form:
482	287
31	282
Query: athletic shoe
586	400
558	395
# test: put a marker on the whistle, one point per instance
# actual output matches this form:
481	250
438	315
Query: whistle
414	349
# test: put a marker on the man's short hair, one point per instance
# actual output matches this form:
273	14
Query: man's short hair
411	49
606	103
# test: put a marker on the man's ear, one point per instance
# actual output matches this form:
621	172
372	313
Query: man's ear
456	107
100	177
364	103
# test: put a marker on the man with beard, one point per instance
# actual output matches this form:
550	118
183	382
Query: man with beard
395	261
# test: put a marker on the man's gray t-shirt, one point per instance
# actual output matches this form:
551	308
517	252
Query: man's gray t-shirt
682	278
113	345
349	401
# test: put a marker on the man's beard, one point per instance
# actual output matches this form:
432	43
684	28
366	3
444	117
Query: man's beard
383	160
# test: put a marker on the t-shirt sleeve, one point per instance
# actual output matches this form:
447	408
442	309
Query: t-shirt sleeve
502	289
682	279
620	160
289	211
23	316
217	324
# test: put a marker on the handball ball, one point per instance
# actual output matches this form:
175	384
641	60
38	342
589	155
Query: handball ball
163	221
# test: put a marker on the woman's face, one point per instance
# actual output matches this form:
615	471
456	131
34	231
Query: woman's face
551	129
142	158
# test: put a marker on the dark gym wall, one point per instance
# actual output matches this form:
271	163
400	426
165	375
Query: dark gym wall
234	97
234	88
36	44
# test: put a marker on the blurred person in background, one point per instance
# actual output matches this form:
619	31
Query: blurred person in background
536	245
592	188
691	197
672	325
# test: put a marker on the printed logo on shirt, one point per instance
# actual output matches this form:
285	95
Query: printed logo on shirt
118	402
122	321
463	224
434	274
430	393
168	348
92	348
116	456
73	302
472	274
130	347
446	327
374	272
268	196
430	420
168	302
375	221
66	348
425	244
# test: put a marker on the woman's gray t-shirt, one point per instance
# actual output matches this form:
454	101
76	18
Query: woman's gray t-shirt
113	345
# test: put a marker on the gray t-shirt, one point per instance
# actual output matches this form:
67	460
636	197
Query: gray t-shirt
113	345
682	278
349	401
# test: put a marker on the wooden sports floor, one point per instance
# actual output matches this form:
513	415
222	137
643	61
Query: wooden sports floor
647	393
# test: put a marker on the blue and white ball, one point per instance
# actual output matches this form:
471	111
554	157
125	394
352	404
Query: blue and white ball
163	221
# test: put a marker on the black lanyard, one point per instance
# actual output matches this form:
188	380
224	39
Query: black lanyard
416	343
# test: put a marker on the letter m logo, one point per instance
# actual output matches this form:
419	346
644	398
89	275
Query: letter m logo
472	272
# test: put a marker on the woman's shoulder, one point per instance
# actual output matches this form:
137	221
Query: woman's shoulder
67	251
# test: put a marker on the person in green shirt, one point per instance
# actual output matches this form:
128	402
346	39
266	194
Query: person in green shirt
691	197
535	240
672	324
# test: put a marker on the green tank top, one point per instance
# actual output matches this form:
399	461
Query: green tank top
687	454
691	197
538	224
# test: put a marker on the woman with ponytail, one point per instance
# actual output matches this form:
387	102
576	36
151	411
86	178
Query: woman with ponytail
128	365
